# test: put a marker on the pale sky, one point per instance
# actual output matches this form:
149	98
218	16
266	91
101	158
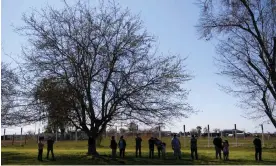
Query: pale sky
173	22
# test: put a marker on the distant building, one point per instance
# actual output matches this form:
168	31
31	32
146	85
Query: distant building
231	132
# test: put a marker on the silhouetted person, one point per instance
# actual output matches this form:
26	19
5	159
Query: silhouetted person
194	147
225	150
176	147
113	146
159	146
122	146
258	148
151	147
218	146
50	147
163	150
138	141
40	148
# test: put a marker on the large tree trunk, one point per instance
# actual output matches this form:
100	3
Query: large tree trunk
92	146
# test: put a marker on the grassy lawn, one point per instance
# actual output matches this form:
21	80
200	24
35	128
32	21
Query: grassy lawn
72	152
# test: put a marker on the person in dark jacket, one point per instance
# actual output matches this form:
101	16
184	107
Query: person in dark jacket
138	141
194	147
113	146
50	147
258	148
122	146
218	146
158	144
151	147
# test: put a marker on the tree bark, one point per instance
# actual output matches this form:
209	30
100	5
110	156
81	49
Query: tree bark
92	148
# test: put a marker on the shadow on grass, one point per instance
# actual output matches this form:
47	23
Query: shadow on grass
13	158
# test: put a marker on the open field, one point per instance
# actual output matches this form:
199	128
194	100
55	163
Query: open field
72	152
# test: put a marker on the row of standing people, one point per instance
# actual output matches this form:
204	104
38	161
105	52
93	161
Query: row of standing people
176	146
152	142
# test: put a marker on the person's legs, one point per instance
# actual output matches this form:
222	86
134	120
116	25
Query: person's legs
159	152
196	156
216	149
256	154
139	148
121	150
136	151
40	155
152	153
53	156
192	154
124	152
260	154
113	154
179	153
219	152
48	150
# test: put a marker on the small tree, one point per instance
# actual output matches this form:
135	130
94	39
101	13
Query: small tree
199	128
205	130
193	131
216	130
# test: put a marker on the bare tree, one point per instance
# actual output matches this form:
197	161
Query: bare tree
199	128
104	64
205	130
193	132
216	130
247	50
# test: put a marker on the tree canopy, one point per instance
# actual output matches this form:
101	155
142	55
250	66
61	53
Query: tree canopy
247	50
98	65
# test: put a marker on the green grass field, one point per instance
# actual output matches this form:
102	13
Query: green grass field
72	152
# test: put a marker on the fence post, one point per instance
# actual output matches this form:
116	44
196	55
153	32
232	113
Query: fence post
184	136
21	137
236	136
4	134
208	136
25	139
76	134
262	134
12	139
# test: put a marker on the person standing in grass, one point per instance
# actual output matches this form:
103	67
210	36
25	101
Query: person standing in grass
163	150
218	146
158	143
138	141
113	146
176	146
122	146
50	146
225	150
40	148
151	147
258	148
194	147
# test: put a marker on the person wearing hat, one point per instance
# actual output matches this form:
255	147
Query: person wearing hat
258	148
